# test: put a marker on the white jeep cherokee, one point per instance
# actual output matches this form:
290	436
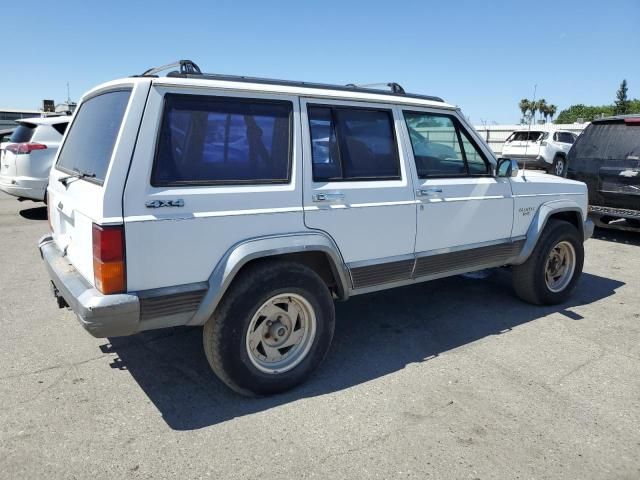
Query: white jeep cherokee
545	149
249	205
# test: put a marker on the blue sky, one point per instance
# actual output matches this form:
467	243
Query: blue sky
482	56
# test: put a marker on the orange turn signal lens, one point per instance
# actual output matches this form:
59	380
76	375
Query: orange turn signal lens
109	259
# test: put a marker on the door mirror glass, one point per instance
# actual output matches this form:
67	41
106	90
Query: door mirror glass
507	167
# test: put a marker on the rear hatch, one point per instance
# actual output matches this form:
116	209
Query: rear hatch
607	157
77	191
8	156
523	143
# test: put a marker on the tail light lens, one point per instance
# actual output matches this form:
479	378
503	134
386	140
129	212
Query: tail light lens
109	259
48	210
23	148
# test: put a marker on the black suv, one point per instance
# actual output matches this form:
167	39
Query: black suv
607	158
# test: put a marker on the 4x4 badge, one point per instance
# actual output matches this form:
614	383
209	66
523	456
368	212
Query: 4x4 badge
164	203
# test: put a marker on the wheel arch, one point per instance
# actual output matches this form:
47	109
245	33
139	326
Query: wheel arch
566	210
314	250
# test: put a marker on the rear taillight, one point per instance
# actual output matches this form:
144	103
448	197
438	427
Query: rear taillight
23	148
109	259
632	121
46	194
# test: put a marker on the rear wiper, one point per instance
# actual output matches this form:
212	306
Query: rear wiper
78	175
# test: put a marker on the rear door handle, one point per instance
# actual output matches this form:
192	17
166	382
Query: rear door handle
427	192
328	197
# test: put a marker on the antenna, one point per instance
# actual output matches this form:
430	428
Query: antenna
68	94
526	145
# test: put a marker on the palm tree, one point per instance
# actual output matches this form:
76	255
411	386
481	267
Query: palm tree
533	108
524	106
541	105
552	109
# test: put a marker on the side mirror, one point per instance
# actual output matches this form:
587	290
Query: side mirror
507	167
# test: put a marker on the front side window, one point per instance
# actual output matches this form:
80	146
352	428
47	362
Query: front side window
90	142
223	140
441	148
352	144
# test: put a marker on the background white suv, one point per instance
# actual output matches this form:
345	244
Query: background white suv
545	149
25	161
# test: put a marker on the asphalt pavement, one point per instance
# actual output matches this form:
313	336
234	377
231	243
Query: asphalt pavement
453	379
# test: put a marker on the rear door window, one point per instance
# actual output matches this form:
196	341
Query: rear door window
89	144
23	133
565	137
352	144
207	140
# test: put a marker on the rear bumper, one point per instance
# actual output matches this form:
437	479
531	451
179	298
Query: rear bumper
598	214
533	161
33	188
101	315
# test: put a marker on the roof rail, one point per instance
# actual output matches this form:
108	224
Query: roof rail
188	69
393	86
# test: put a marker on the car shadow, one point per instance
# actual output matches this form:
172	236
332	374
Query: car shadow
376	334
628	237
34	213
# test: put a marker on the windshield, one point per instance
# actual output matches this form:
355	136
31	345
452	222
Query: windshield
92	136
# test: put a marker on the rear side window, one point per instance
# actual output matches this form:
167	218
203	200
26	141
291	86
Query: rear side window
23	133
565	137
222	140
352	144
60	127
89	144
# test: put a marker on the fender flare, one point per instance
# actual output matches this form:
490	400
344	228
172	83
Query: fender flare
539	222
242	253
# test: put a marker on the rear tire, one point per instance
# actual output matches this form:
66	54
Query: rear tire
271	330
551	272
559	166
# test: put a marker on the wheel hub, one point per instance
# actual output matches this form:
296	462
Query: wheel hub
281	333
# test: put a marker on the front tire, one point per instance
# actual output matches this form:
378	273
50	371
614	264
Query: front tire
551	272
272	329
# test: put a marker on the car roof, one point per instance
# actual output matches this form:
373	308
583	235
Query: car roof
303	89
54	120
616	117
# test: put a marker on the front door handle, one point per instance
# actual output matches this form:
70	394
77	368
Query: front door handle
427	192
328	197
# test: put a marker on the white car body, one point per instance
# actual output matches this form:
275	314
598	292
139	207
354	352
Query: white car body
546	148
26	159
248	205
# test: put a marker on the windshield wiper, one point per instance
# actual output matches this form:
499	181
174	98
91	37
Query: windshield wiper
77	175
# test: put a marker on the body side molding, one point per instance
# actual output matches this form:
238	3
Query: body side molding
240	254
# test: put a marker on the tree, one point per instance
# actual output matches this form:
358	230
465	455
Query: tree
551	110
542	107
533	108
524	106
622	102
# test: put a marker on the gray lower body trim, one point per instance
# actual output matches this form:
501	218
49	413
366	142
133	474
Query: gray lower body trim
437	263
471	258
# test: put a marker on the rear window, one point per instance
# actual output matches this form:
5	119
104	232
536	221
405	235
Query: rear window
207	140
23	133
524	137
89	144
611	140
565	137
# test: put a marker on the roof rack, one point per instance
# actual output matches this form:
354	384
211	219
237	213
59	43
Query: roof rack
188	69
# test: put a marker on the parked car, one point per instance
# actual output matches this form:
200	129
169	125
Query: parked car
25	161
544	149
607	158
250	205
